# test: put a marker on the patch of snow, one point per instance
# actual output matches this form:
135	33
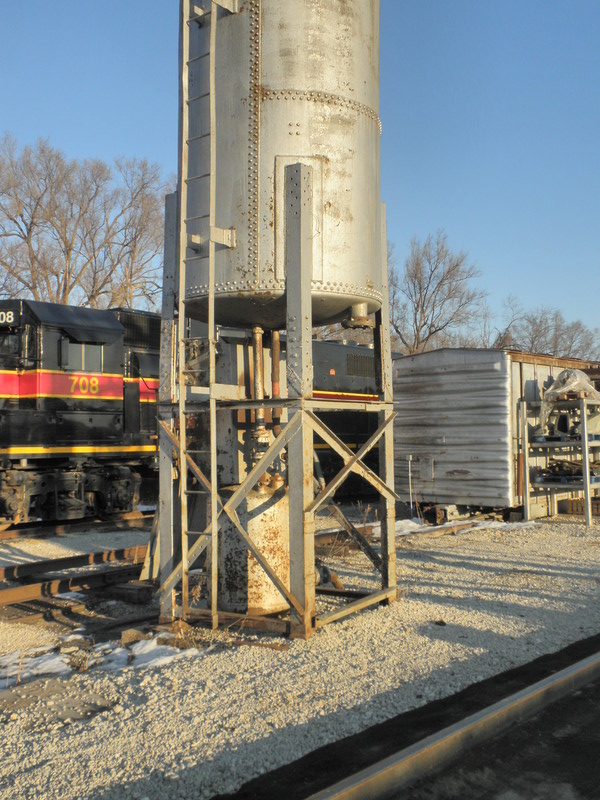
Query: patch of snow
148	653
72	596
406	527
115	659
22	667
507	526
78	637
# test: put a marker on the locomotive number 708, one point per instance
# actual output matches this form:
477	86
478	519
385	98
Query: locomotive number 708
81	384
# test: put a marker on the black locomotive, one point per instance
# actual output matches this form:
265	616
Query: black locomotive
78	391
346	371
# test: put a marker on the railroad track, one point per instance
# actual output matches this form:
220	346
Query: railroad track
384	761
127	521
389	776
39	580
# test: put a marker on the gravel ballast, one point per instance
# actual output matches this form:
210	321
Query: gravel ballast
472	605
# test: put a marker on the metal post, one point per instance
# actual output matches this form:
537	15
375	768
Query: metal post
585	456
275	379
383	372
169	514
410	458
525	451
212	330
298	236
259	373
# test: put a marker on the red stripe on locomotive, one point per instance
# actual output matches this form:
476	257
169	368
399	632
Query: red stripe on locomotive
148	388
44	383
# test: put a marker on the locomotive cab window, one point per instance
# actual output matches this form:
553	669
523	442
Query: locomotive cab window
92	357
10	342
80	357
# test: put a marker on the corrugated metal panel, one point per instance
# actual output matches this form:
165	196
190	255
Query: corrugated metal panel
454	419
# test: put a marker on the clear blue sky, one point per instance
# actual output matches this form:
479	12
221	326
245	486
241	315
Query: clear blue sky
490	109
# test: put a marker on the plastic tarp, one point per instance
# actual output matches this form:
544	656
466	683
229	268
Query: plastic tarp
569	380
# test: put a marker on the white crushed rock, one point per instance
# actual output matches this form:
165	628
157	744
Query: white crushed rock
22	551
16	637
205	724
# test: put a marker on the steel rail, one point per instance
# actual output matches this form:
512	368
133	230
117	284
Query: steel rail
132	519
91	580
387	777
134	554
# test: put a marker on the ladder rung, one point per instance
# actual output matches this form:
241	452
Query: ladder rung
196	218
197	177
198	58
198	97
199	17
197	138
196	533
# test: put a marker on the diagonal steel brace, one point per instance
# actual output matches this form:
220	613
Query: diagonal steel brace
360	540
229	509
353	461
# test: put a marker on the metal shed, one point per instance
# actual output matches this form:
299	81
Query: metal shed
457	432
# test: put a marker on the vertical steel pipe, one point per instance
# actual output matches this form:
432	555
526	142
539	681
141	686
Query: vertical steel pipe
276	379
259	377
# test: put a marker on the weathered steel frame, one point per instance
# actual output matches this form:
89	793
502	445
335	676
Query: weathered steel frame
177	557
582	445
229	509
352	461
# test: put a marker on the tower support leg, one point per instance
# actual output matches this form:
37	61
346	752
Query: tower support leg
384	376
299	268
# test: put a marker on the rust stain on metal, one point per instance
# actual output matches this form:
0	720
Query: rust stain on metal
244	587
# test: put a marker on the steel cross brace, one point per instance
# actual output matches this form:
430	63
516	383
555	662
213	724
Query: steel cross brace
350	529
229	509
353	461
360	540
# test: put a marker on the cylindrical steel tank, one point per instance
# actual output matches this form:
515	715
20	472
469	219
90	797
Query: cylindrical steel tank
244	586
294	81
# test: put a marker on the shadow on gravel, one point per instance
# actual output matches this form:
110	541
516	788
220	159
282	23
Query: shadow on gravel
9	552
504	566
519	579
329	763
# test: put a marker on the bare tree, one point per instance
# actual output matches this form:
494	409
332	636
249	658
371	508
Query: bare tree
505	334
545	330
127	264
432	298
477	332
79	232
